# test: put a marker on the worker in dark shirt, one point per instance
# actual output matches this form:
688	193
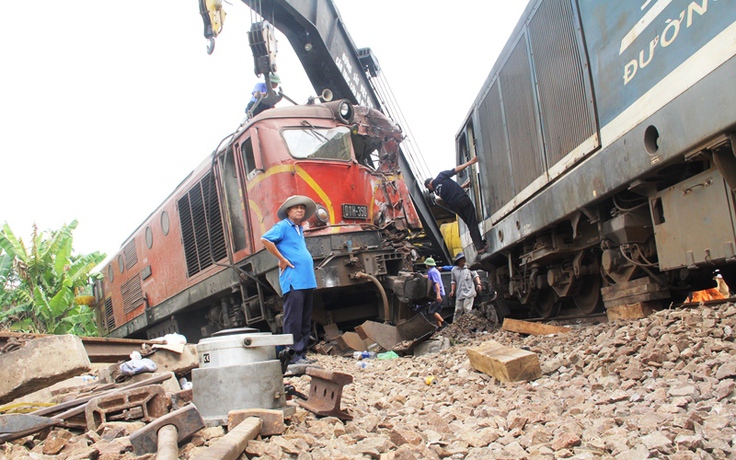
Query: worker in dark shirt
458	201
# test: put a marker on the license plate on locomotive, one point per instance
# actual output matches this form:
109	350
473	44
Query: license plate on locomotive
354	211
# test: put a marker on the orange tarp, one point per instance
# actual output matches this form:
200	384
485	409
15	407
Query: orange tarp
706	294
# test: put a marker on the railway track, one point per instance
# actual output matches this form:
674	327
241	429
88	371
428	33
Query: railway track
602	317
99	349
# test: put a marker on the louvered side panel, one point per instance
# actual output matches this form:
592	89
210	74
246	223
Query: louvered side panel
517	92
131	256
132	294
567	118
214	220
201	222
109	314
499	189
187	235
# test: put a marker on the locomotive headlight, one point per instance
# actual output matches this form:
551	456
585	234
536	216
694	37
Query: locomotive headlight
345	111
322	214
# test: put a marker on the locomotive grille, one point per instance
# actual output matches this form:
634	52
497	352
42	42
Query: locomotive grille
131	256
201	226
517	92
561	79
500	189
109	315
132	294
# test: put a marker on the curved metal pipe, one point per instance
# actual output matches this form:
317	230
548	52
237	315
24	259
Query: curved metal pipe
380	289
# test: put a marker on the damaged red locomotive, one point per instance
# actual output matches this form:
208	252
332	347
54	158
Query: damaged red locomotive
196	265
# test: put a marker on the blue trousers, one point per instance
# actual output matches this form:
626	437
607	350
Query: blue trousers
298	319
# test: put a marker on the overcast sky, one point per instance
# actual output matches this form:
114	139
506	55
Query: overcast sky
106	106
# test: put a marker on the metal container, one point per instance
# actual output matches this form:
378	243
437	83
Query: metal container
238	369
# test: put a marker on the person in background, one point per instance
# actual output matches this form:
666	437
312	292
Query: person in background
437	292
458	201
285	240
465	286
259	93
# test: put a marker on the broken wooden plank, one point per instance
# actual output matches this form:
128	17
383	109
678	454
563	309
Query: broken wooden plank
631	311
528	327
503	363
273	420
385	335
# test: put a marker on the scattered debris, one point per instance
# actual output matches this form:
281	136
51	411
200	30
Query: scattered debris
656	387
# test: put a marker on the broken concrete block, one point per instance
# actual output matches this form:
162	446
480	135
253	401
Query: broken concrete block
40	363
432	346
528	327
505	364
178	363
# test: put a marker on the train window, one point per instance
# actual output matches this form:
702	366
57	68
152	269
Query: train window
121	266
110	273
149	237
249	160
318	143
165	223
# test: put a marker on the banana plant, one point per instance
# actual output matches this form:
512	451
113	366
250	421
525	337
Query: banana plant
40	283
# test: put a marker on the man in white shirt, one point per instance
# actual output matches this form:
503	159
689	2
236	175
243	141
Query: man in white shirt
465	286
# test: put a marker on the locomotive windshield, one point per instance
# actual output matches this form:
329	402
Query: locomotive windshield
318	143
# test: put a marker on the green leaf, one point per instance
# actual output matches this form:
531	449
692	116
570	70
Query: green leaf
12	246
43	309
61	302
23	326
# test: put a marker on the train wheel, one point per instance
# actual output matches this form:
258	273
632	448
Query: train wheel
588	297
548	304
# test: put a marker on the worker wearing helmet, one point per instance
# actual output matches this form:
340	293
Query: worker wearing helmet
437	292
259	100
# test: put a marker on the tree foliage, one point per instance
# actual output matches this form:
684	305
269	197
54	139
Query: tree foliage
44	287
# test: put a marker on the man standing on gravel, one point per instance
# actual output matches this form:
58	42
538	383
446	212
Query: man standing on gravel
465	286
286	241
437	293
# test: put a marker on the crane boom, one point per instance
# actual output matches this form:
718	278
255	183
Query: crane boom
331	61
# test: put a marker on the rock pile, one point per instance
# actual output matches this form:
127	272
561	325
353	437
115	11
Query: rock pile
659	387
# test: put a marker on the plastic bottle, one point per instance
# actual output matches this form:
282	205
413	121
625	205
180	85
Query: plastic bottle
363	364
364	355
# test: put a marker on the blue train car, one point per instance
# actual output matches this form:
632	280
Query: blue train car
606	136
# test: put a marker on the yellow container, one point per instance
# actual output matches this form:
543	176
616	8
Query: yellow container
451	235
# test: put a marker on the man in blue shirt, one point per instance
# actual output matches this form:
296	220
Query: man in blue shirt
286	241
437	293
259	93
458	201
